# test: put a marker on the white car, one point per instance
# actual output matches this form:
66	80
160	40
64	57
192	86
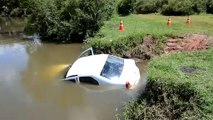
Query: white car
103	70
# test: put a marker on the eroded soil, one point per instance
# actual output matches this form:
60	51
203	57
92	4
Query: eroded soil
150	47
191	42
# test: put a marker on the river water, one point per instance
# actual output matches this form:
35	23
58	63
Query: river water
31	86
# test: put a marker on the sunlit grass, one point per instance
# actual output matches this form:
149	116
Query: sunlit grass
155	25
170	92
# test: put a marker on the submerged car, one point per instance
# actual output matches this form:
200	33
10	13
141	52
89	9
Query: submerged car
103	70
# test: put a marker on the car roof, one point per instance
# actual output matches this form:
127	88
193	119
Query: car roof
89	65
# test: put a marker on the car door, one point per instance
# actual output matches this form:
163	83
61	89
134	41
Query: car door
87	52
73	78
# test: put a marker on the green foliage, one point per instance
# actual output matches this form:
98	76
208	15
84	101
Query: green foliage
209	6
117	47
126	7
172	94
151	6
199	6
178	7
183	7
27	6
69	20
171	7
16	8
6	6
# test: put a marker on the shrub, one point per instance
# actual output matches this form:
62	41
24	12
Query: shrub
146	7
183	7
125	7
6	6
199	6
16	8
151	6
171	7
209	6
178	7
69	20
27	6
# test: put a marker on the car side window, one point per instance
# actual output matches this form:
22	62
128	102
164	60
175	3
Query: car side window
72	80
88	80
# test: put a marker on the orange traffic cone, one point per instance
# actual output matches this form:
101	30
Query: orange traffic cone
169	22
121	28
188	21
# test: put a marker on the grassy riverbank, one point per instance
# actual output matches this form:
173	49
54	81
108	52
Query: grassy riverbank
111	40
180	86
155	25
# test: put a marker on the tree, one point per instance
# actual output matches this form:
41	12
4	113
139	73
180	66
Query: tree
71	20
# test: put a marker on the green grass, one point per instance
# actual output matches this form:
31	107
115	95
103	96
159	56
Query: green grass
155	25
173	94
110	40
170	93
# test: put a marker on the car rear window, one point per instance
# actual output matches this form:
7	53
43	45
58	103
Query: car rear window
113	68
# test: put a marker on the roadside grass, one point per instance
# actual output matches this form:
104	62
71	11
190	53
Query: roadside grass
176	93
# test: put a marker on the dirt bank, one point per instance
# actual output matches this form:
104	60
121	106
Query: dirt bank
150	47
191	42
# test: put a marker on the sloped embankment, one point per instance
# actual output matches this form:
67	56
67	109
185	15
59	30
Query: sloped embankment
179	86
145	47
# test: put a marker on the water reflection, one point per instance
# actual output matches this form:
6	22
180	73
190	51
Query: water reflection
13	61
13	26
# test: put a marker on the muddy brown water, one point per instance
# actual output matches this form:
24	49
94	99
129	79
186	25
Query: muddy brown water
31	87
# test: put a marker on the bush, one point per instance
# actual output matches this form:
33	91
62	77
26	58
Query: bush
178	7
151	6
126	7
183	7
6	6
199	6
209	6
27	6
16	8
171	7
69	20
146	7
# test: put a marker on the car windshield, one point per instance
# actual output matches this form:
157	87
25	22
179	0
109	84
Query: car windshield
113	68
